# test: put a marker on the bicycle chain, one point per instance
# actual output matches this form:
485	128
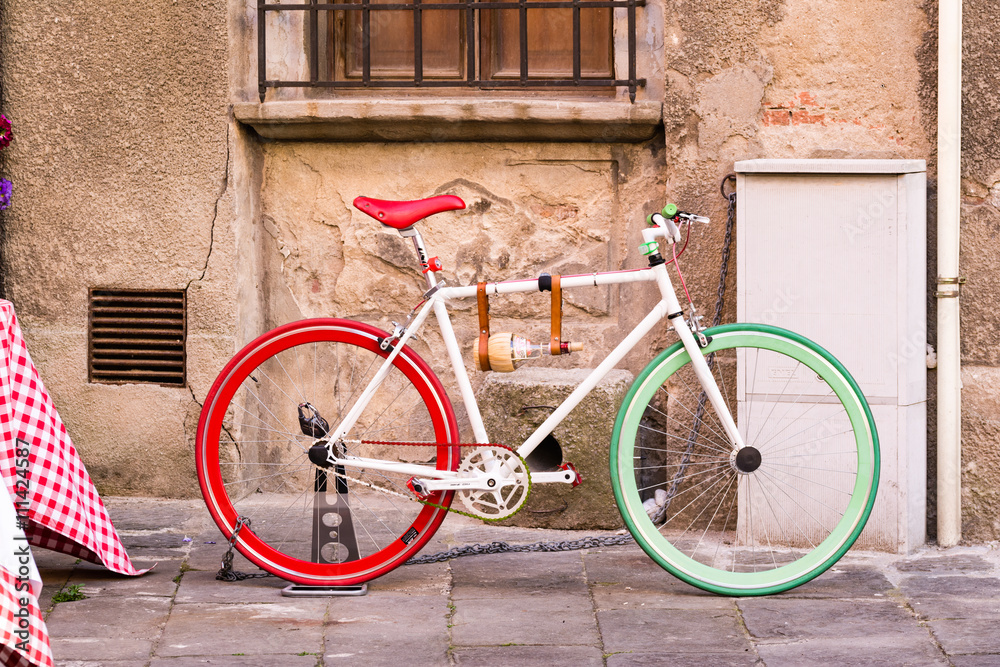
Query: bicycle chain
448	444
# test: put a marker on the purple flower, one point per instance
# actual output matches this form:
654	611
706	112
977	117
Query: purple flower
6	133
6	188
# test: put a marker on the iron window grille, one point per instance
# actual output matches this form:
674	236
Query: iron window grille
471	9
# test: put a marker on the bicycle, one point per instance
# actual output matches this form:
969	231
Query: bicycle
750	501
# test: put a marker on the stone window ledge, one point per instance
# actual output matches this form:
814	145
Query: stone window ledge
453	120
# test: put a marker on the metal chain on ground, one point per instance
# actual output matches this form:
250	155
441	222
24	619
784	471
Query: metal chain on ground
227	573
720	299
504	547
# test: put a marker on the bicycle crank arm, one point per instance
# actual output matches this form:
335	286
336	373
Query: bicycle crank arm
568	476
414	469
483	483
487	483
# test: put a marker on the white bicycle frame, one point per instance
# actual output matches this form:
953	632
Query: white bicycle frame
436	301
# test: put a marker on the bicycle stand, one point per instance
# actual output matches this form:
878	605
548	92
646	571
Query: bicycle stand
333	538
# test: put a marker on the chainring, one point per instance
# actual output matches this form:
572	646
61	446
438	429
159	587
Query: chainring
507	470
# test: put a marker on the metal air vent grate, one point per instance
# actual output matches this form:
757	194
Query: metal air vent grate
138	336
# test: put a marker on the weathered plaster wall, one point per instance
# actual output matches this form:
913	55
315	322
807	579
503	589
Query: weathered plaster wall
129	173
120	170
785	79
980	233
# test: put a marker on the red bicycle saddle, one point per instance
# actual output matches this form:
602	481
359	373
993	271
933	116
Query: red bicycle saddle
402	214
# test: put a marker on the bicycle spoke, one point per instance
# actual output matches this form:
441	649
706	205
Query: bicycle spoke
708	445
733	520
716	444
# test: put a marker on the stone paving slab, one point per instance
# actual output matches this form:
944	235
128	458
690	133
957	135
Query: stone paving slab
987	588
625	578
666	658
232	661
656	631
975	660
610	606
963	636
247	629
515	574
199	586
955	608
107	627
97	581
578	656
845	581
800	619
430	578
857	652
387	629
950	564
555	619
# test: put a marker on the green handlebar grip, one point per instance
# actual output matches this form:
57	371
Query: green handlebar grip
649	219
669	211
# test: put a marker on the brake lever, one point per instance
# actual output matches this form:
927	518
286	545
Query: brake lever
692	217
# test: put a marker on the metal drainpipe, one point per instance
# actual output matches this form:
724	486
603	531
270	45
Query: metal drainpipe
949	366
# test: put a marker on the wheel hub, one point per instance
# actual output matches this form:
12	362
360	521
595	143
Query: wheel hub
746	460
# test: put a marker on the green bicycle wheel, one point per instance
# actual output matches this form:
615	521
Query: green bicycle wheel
778	512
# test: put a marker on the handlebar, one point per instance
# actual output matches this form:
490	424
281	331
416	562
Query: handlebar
670	217
671	212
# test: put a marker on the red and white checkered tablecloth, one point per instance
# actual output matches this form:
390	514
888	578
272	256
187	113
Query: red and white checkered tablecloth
55	504
65	513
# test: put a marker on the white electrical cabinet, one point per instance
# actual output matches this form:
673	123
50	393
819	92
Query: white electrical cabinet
835	250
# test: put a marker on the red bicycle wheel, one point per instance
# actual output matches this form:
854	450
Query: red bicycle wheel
257	425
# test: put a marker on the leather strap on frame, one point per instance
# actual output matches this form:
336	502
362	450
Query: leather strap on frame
482	350
555	343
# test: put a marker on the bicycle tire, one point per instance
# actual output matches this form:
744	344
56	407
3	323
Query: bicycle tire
252	452
724	525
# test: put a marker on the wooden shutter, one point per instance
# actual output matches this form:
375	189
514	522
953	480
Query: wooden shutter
550	43
392	43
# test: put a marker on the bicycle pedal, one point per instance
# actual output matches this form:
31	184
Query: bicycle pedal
570	467
418	489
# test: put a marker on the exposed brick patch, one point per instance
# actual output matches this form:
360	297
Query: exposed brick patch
802	109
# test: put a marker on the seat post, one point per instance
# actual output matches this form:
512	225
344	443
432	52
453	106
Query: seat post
418	245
